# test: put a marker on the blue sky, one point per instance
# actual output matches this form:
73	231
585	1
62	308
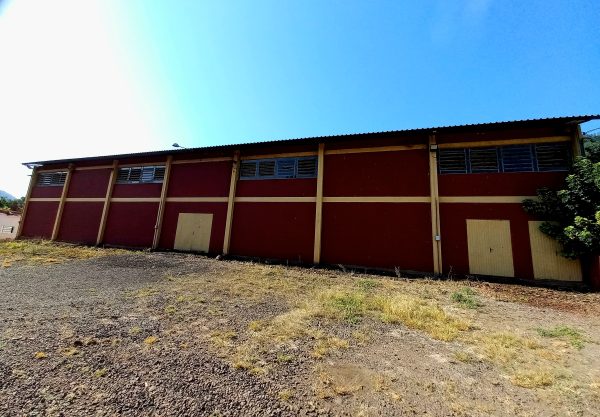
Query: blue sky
92	77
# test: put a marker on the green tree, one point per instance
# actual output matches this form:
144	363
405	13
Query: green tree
572	215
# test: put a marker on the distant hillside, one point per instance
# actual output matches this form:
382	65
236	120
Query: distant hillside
4	194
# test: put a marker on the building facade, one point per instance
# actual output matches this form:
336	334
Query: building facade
443	200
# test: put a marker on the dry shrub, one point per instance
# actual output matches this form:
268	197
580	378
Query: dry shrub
43	252
417	313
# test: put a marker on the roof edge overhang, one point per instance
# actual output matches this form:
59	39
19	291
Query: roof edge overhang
516	124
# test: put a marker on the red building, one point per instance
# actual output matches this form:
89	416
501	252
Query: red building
438	200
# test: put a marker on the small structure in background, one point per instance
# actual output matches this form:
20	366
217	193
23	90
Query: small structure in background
9	223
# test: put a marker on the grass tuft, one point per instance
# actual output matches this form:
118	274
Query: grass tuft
150	340
326	346
573	336
40	355
419	314
465	298
533	378
99	373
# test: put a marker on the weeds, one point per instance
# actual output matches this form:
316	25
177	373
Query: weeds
40	355
99	373
150	340
465	297
419	314
324	347
534	378
573	336
42	252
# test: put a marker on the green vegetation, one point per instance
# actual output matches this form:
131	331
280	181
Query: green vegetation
573	336
465	297
12	204
572	215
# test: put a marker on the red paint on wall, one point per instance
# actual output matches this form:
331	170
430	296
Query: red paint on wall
89	183
384	235
80	222
39	219
206	179
53	191
171	216
500	184
453	219
131	224
401	173
274	230
301	187
137	190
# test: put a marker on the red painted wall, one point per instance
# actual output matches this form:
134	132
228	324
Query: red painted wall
454	234
89	183
47	192
206	179
80	222
274	230
515	183
137	190
39	219
384	235
301	187
171	216
131	224
401	173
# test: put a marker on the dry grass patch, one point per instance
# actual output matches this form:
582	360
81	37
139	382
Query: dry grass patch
533	378
417	313
43	252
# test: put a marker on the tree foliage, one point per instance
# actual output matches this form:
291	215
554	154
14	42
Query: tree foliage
12	205
572	215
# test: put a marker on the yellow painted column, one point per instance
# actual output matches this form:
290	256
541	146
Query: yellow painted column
319	205
109	190
230	201
435	206
61	204
26	205
161	206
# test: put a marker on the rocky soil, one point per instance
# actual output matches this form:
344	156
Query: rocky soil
158	334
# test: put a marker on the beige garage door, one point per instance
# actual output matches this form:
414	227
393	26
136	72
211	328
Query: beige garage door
490	248
546	258
193	232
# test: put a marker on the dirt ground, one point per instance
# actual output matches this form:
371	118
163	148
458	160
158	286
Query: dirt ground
104	332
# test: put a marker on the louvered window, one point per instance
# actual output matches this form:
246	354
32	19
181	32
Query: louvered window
483	160
136	175
513	158
518	158
279	168
307	168
553	157
453	161
50	179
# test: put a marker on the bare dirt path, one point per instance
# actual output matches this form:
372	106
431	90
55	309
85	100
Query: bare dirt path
136	333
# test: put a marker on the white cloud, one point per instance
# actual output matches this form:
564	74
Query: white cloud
67	87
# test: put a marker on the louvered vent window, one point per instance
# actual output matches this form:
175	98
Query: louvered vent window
453	161
483	160
279	168
136	175
517	158
514	158
553	157
49	179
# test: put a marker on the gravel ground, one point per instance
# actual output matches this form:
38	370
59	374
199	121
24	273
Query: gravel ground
123	335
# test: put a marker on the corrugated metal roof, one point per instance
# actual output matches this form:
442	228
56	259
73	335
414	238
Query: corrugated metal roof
331	138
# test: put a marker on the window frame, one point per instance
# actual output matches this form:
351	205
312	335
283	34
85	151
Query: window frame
140	180
532	149
276	170
62	177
